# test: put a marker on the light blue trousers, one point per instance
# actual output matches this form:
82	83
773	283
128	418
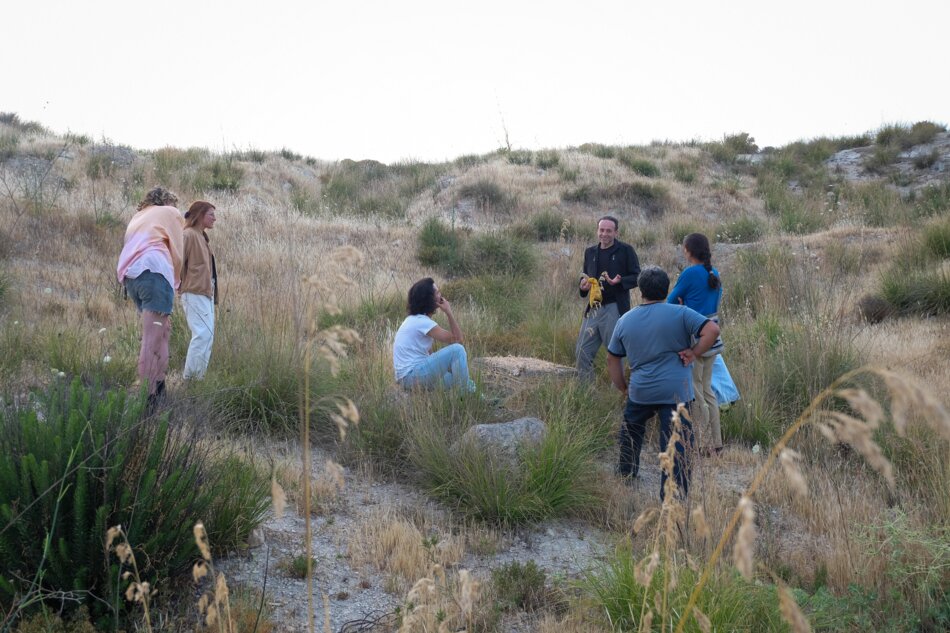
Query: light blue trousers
448	366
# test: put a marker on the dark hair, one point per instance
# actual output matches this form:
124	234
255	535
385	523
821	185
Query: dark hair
196	212
421	298
697	245
654	283
612	219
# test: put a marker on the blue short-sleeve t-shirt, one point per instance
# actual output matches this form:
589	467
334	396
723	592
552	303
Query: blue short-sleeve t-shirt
651	337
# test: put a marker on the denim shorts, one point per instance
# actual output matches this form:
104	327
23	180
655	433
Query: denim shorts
150	291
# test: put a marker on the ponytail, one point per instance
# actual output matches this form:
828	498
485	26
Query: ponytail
698	246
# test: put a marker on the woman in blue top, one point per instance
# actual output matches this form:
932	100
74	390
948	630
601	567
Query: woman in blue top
699	288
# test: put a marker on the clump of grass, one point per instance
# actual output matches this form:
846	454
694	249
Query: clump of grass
932	200
654	198
685	171
598	150
297	566
520	157
546	226
730	603
638	164
370	188
731	146
926	160
520	586
547	159
741	230
221	174
456	252
488	196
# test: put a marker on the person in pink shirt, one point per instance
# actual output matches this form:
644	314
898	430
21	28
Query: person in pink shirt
150	269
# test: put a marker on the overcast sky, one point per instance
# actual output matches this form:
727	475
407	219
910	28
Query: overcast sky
430	80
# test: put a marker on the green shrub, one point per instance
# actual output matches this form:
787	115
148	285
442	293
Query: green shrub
440	246
882	157
370	188
923	292
685	171
221	174
546	159
520	587
12	119
638	165
488	196
546	226
469	160
730	603
8	145
936	238
251	156
583	194
731	146
83	460
932	200
653	198
99	166
598	150
925	131
499	254
290	155
568	174
927	160
492	295
742	230
880	204
520	157
555	478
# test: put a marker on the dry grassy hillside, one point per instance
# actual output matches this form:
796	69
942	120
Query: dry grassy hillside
834	254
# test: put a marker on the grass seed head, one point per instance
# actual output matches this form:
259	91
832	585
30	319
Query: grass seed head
199	571
643	570
646	517
700	527
111	534
863	403
278	497
201	540
704	624
789	459
791	612
744	548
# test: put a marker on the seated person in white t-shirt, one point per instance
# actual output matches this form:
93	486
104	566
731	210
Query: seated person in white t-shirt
414	365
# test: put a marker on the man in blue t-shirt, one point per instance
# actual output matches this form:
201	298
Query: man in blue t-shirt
658	340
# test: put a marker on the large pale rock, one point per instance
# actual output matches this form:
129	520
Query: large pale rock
504	440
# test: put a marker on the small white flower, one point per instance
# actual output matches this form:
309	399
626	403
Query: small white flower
158	323
16	323
106	359
62	374
756	449
102	331
47	291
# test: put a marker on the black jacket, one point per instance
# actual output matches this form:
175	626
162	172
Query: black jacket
623	261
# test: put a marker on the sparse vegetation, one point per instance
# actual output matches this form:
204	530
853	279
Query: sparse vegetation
822	255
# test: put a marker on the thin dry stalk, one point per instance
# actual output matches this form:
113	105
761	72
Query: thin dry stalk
137	591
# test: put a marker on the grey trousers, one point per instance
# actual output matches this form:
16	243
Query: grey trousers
596	330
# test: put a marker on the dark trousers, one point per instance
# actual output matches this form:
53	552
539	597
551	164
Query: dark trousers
630	439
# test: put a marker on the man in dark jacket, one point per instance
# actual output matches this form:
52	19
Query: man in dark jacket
616	267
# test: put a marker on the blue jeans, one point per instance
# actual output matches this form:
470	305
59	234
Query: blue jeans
630	439
448	367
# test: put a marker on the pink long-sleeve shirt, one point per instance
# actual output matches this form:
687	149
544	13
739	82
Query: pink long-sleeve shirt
154	231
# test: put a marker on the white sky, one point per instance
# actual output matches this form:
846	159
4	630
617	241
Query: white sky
431	80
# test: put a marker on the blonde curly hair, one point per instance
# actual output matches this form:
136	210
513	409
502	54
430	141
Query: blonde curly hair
158	197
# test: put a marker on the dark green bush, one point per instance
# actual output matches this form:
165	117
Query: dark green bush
289	154
488	196
499	254
932	200
221	174
583	194
731	146
742	230
936	238
81	460
917	291
546	159
520	587
441	246
546	226
638	164
654	198
730	602
598	150
684	171
370	188
520	157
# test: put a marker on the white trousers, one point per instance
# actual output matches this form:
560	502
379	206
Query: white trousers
199	311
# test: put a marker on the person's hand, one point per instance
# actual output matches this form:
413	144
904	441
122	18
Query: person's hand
687	356
444	305
613	281
585	284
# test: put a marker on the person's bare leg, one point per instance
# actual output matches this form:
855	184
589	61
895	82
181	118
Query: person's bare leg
153	357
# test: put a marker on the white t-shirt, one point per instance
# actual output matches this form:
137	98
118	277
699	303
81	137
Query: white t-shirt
412	343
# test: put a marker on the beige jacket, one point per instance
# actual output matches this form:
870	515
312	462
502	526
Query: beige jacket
198	269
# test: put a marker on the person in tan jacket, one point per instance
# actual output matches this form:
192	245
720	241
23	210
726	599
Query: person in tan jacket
199	287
